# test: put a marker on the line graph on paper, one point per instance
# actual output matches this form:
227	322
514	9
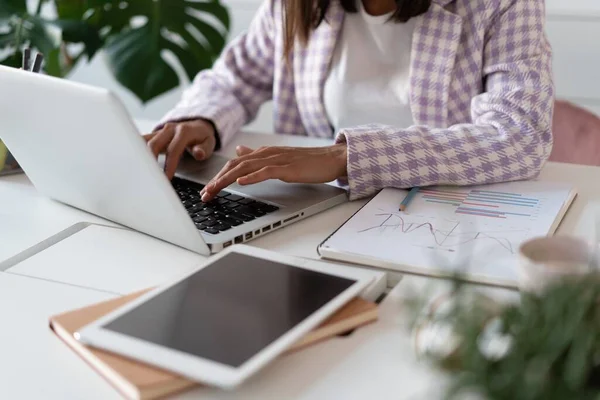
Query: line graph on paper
442	234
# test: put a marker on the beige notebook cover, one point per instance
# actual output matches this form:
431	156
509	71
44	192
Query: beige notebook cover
140	381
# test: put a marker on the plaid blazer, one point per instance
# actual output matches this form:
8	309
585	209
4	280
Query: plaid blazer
481	85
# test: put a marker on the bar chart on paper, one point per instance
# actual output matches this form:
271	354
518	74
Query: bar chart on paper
448	225
486	203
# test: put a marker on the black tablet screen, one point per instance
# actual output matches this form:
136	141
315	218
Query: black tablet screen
232	309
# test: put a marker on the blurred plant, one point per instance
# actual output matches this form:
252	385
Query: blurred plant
133	33
547	346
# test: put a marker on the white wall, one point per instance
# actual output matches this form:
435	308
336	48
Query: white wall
573	29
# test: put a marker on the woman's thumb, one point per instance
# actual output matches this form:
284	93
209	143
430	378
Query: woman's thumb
243	150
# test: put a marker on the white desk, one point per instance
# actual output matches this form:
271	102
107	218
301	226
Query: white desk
374	362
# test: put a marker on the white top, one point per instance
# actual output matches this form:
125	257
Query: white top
369	75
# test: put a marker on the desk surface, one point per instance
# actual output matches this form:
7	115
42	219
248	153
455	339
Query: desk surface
34	363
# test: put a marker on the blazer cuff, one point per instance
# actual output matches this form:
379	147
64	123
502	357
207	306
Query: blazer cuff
357	188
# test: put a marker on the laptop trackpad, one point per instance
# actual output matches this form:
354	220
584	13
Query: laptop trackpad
201	170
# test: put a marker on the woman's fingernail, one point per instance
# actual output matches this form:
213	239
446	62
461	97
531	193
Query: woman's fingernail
205	197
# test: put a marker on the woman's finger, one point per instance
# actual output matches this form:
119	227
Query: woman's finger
176	149
147	137
243	150
158	144
281	172
198	152
231	164
263	152
242	169
203	149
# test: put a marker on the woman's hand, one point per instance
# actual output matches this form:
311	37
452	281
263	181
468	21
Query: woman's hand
197	137
288	164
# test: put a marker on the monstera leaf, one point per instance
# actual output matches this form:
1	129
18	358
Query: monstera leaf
19	28
137	33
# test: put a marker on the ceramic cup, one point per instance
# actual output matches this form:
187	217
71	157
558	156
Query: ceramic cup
548	259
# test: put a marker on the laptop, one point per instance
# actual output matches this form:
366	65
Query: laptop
78	145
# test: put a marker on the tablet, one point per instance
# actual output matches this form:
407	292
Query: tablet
226	320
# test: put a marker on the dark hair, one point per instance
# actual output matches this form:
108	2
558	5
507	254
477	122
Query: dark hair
300	17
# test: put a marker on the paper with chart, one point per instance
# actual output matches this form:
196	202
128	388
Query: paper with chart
450	228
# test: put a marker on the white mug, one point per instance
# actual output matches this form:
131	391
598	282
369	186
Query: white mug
546	260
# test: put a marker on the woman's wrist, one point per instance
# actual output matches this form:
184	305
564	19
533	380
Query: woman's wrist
340	153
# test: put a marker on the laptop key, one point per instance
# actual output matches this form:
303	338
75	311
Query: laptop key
219	215
222	227
234	197
221	201
264	207
205	212
199	220
233	221
195	209
212	231
210	223
222	194
221	209
232	205
242	216
251	211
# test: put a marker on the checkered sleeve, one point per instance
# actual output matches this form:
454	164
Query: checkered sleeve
241	80
509	136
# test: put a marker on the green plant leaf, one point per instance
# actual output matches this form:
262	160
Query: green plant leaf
137	64
12	60
138	32
21	29
8	8
77	31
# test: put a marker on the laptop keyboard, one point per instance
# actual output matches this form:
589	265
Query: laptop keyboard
222	213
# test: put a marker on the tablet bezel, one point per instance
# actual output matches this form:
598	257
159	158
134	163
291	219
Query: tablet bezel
208	371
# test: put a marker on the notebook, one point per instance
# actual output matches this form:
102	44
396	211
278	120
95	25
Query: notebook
475	231
139	381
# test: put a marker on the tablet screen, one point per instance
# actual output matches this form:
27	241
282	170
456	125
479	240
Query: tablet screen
230	310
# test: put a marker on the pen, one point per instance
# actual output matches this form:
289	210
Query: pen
37	63
408	198
26	57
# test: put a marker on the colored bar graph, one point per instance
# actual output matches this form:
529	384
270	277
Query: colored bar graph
483	203
493	204
443	197
479	210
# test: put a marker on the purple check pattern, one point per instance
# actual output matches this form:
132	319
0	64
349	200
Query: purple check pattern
482	95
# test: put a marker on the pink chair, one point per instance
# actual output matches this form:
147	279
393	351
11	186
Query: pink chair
576	135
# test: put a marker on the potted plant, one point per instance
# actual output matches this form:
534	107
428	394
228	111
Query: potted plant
544	346
133	35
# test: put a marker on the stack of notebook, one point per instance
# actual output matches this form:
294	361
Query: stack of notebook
139	381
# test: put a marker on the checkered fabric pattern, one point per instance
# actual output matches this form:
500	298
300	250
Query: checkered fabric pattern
482	95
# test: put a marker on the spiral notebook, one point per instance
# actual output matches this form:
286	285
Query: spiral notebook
475	231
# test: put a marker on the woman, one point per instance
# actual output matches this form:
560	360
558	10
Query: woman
416	92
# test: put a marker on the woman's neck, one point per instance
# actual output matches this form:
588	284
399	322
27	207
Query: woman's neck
379	7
